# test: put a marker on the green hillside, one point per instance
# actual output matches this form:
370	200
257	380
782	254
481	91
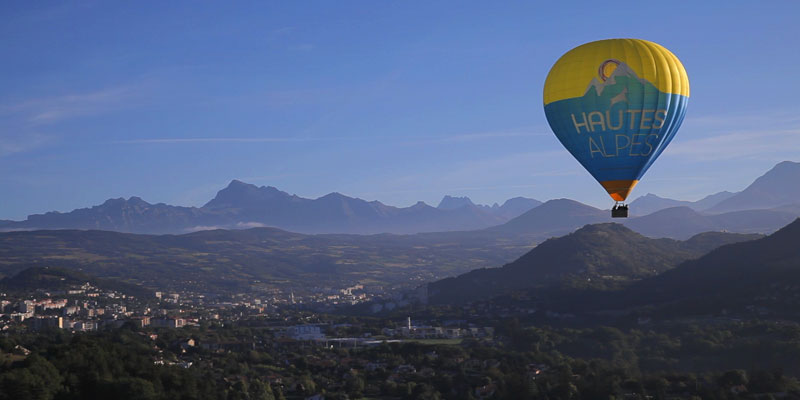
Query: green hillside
259	259
54	278
600	256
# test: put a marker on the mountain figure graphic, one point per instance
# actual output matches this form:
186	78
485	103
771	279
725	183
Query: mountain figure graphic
623	85
622	97
622	70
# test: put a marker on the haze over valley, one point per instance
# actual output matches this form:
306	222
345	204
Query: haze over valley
341	241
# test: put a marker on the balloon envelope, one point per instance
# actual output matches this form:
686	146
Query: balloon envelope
615	105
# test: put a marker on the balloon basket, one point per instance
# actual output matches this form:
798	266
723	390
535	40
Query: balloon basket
619	210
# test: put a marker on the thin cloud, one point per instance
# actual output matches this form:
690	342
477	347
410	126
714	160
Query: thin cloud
440	190
738	145
771	134
223	140
287	36
682	179
422	139
519	167
199	228
19	144
272	177
280	32
495	187
248	225
470	137
302	47
54	108
772	118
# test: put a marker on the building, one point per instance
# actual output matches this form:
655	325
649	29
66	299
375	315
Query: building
70	310
26	307
43	323
141	322
84	326
186	344
168	322
304	332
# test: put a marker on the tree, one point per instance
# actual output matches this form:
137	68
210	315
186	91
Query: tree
355	386
35	379
134	389
260	391
732	378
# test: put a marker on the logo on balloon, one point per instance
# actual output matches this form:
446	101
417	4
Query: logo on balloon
610	93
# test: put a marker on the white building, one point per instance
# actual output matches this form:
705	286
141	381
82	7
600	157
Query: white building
168	322
304	332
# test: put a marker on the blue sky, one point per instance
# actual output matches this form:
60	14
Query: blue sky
389	101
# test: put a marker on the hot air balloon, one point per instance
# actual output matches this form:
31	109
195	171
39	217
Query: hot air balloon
615	105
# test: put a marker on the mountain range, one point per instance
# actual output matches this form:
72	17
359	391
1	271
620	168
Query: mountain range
562	216
510	209
241	205
775	189
651	203
770	202
778	187
683	222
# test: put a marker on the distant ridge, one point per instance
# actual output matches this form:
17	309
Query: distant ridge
683	222
773	198
674	222
554	217
512	208
517	206
651	203
780	186
776	188
131	215
239	195
562	216
337	213
241	205
451	203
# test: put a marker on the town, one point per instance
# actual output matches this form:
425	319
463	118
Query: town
85	307
283	348
187	331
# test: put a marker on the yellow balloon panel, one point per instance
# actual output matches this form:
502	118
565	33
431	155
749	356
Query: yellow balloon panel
572	72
